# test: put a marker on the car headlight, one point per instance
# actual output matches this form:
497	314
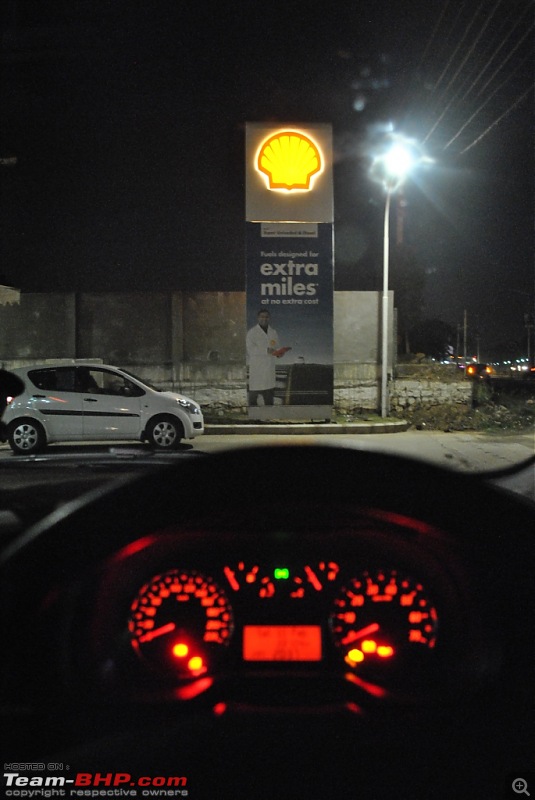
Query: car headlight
191	408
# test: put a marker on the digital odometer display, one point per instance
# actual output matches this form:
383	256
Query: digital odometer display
282	643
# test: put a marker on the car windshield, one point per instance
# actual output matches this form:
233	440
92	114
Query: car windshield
382	294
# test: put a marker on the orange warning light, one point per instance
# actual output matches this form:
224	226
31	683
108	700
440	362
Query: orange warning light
195	664
180	650
385	651
355	656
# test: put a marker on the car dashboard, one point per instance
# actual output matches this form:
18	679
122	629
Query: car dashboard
351	610
248	605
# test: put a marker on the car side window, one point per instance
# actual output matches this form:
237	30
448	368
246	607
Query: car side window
44	379
59	379
65	379
87	380
117	385
131	390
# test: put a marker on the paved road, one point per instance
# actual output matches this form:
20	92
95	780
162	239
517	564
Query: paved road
467	451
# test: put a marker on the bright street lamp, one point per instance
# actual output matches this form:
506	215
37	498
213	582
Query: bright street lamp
397	163
390	168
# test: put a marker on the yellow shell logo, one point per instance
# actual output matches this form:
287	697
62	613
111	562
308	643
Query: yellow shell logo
289	159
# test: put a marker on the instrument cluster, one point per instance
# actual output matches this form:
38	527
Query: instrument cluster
353	607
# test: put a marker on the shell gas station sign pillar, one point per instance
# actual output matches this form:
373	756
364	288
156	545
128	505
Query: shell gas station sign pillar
289	271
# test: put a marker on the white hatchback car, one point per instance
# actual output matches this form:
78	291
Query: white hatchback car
84	401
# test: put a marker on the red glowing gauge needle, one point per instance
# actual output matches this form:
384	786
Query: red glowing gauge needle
231	577
352	636
150	635
313	578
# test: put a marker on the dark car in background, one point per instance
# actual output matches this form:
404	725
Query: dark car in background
483	371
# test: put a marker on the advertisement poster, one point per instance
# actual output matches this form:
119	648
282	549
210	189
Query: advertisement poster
289	340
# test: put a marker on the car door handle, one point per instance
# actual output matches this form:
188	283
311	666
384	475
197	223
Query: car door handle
90	400
38	396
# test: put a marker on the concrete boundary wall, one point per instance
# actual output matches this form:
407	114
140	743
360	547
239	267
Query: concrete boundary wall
195	343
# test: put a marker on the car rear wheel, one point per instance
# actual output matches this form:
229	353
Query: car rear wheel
26	436
165	433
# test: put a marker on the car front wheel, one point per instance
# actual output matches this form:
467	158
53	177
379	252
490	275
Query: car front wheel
165	433
26	436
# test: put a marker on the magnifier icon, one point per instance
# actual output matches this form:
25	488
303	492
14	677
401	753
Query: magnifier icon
520	786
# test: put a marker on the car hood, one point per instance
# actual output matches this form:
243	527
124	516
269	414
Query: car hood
177	396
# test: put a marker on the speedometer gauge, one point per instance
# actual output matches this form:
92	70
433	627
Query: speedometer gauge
179	620
382	620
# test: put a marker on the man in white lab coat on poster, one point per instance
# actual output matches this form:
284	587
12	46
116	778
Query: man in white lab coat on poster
262	348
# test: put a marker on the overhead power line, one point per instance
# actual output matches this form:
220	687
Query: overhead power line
497	121
463	62
482	106
490	51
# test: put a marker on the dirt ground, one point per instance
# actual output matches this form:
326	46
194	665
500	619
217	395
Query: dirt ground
492	409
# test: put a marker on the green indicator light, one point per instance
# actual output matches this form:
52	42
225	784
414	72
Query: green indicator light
281	573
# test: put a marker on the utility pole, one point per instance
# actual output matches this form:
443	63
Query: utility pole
465	329
528	322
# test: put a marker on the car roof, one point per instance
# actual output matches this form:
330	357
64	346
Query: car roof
59	363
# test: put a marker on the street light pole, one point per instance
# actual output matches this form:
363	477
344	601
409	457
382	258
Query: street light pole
384	335
391	168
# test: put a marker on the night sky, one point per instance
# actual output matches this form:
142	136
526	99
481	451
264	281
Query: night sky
126	119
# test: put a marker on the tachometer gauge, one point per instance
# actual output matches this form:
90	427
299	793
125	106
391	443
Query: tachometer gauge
383	622
178	622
